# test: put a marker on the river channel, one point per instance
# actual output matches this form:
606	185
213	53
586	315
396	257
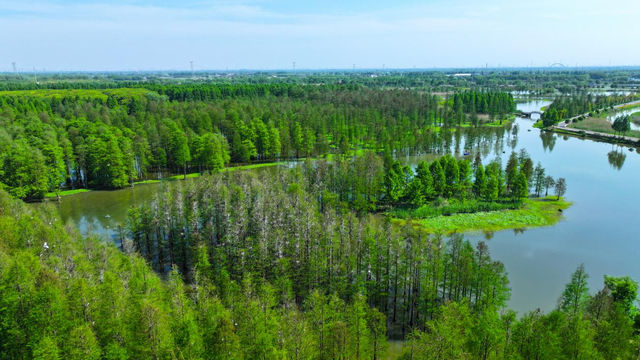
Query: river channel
600	230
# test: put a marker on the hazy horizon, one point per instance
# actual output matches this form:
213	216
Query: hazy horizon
143	35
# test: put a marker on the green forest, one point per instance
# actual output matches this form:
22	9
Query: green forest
108	139
241	266
321	256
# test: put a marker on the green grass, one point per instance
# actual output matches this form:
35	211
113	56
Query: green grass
146	182
50	195
534	213
450	207
182	176
496	123
252	166
601	125
230	169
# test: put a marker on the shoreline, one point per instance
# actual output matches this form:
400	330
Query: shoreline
52	196
595	135
536	212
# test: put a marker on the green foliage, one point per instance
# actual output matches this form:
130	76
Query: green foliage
570	106
445	337
111	138
621	124
624	291
498	216
576	293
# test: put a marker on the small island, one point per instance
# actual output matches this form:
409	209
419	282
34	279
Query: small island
441	197
535	212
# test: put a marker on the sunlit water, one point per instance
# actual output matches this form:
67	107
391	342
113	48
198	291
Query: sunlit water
599	230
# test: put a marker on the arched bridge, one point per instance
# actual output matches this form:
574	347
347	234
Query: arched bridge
528	114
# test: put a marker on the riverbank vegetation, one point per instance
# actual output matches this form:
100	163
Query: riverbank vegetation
603	125
602	326
567	107
444	196
444	186
251	267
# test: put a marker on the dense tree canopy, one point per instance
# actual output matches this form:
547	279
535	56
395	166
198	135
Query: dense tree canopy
113	137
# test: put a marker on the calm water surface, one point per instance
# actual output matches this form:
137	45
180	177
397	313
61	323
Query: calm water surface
600	229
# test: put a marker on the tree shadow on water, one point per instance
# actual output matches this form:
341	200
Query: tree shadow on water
616	158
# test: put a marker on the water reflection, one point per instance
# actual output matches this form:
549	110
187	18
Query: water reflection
616	158
599	230
548	140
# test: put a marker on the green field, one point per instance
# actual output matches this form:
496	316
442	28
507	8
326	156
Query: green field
599	124
534	213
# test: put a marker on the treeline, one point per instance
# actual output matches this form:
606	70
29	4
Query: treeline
371	182
112	138
214	91
602	326
535	81
486	102
567	107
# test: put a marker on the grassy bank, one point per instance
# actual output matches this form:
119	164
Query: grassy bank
53	195
253	166
599	124
534	213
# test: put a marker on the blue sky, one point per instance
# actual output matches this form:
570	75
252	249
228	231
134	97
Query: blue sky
59	35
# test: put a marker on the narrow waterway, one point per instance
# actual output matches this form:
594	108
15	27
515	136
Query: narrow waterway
599	230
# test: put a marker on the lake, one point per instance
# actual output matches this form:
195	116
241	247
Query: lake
599	230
